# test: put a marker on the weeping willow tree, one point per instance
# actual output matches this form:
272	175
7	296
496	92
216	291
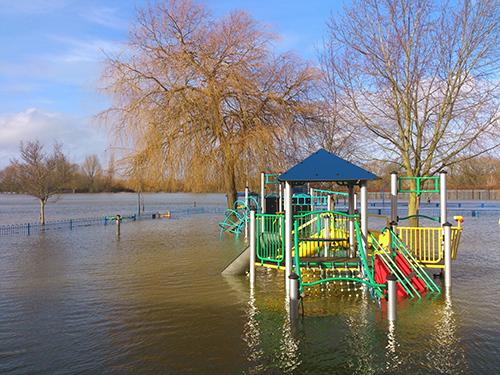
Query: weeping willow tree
204	100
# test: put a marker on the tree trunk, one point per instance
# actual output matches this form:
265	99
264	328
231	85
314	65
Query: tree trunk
42	211
413	209
229	181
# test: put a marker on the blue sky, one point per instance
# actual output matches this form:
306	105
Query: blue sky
52	53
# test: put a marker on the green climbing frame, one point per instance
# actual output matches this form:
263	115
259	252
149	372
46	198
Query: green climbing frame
420	183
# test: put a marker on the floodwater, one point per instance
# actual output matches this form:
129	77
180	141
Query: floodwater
153	301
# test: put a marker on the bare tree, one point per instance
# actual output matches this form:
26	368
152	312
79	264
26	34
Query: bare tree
42	175
92	170
422	80
204	98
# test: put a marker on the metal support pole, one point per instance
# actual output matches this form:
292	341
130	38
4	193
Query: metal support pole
351	220
288	233
392	297
138	203
329	203
252	248
364	215
393	226
311	194
327	234
394	196
280	202
247	208
263	192
447	254
294	287
442	197
355	201
294	296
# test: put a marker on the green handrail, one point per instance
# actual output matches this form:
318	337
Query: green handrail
341	193
418	216
414	264
346	278
323	212
364	263
387	259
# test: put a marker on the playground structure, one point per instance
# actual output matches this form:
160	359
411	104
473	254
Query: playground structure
305	236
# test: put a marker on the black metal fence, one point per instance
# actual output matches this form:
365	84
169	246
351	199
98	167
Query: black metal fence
34	228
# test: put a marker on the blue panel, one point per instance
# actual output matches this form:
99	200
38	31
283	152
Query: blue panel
325	166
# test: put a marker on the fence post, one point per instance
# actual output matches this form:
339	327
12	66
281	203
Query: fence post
252	248
71	224
118	223
447	254
392	297
29	229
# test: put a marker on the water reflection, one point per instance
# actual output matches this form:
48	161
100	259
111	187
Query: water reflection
251	336
447	354
393	361
289	344
362	337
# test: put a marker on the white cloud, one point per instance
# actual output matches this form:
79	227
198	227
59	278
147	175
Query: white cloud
79	136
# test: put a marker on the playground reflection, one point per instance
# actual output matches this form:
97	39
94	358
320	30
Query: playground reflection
392	360
251	335
289	345
447	353
353	337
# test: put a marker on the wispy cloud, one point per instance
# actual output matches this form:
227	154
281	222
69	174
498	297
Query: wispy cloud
84	50
105	16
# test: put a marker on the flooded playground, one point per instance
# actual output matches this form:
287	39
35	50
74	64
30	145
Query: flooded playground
153	301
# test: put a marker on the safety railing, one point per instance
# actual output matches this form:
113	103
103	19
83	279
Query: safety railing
426	243
330	228
366	279
270	238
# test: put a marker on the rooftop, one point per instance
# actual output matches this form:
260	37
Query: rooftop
323	166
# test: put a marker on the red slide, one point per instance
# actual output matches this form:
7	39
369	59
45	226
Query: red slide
381	273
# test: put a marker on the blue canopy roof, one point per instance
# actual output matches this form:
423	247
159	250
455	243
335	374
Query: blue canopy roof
325	166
